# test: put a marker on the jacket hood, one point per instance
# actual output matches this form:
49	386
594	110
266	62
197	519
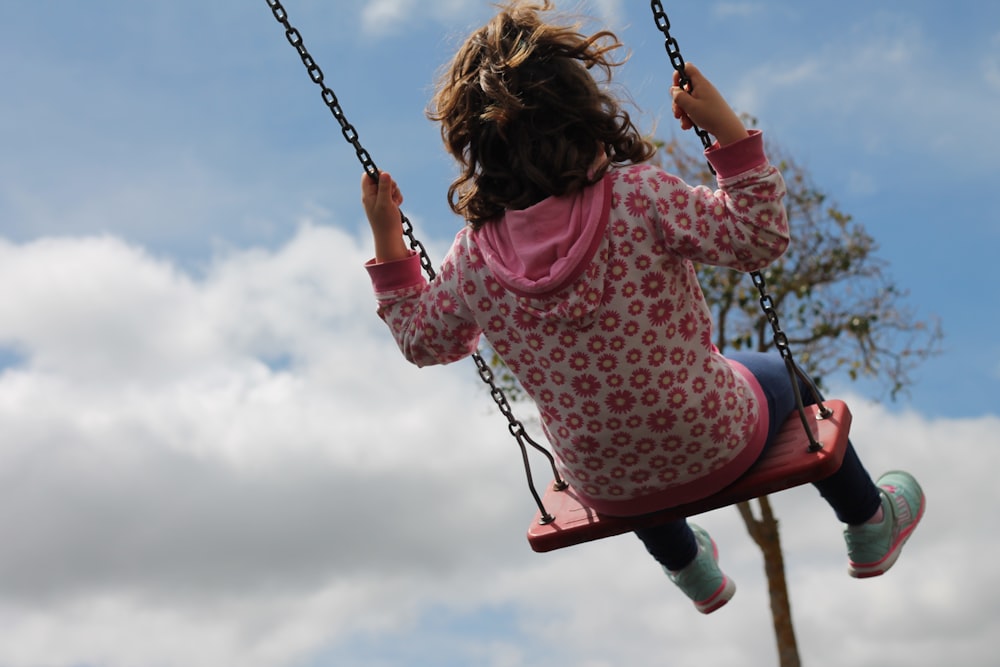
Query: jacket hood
544	253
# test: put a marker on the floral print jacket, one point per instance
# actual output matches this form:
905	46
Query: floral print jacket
593	303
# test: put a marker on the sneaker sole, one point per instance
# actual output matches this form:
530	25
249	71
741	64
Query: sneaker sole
868	570
720	597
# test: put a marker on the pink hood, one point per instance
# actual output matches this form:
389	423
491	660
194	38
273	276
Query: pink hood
538	251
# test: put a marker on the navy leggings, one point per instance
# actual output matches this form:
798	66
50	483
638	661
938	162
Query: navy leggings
850	491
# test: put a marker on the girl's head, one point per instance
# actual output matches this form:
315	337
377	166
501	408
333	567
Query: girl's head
523	115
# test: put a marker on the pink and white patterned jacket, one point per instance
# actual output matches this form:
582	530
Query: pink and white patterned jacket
593	303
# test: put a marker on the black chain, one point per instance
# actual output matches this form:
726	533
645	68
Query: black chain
516	428
350	133
677	61
766	302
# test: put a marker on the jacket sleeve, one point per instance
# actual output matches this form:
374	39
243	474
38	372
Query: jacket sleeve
742	225
429	321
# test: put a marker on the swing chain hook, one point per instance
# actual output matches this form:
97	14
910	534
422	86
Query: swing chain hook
795	374
520	434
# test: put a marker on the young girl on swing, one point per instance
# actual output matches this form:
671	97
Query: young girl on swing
575	263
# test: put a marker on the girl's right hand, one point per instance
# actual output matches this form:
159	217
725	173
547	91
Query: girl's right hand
699	103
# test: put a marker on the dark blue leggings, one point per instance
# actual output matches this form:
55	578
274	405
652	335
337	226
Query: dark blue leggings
850	491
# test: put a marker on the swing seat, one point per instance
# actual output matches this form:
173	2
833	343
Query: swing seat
786	463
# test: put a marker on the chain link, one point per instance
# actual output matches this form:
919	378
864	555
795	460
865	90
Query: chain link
350	133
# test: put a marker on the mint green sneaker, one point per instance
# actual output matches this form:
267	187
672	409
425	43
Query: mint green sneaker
701	579
873	548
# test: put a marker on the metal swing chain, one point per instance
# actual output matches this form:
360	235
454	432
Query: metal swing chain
766	301
350	133
677	61
515	426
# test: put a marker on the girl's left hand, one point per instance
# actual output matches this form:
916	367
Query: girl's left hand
382	200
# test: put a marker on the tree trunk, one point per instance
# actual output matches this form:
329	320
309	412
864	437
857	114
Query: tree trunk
764	531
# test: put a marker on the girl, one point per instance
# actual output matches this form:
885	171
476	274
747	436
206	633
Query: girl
576	265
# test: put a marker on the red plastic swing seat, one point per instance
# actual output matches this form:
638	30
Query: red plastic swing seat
786	463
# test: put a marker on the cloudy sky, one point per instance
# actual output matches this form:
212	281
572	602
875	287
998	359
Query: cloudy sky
211	452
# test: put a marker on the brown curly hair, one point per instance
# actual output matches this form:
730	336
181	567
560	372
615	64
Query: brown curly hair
525	118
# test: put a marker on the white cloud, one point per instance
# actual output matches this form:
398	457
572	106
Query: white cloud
991	65
387	17
239	468
611	12
882	85
862	183
725	10
382	18
381	15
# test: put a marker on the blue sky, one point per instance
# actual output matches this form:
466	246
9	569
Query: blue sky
211	452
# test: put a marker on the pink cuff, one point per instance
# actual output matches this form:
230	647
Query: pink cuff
738	157
395	275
